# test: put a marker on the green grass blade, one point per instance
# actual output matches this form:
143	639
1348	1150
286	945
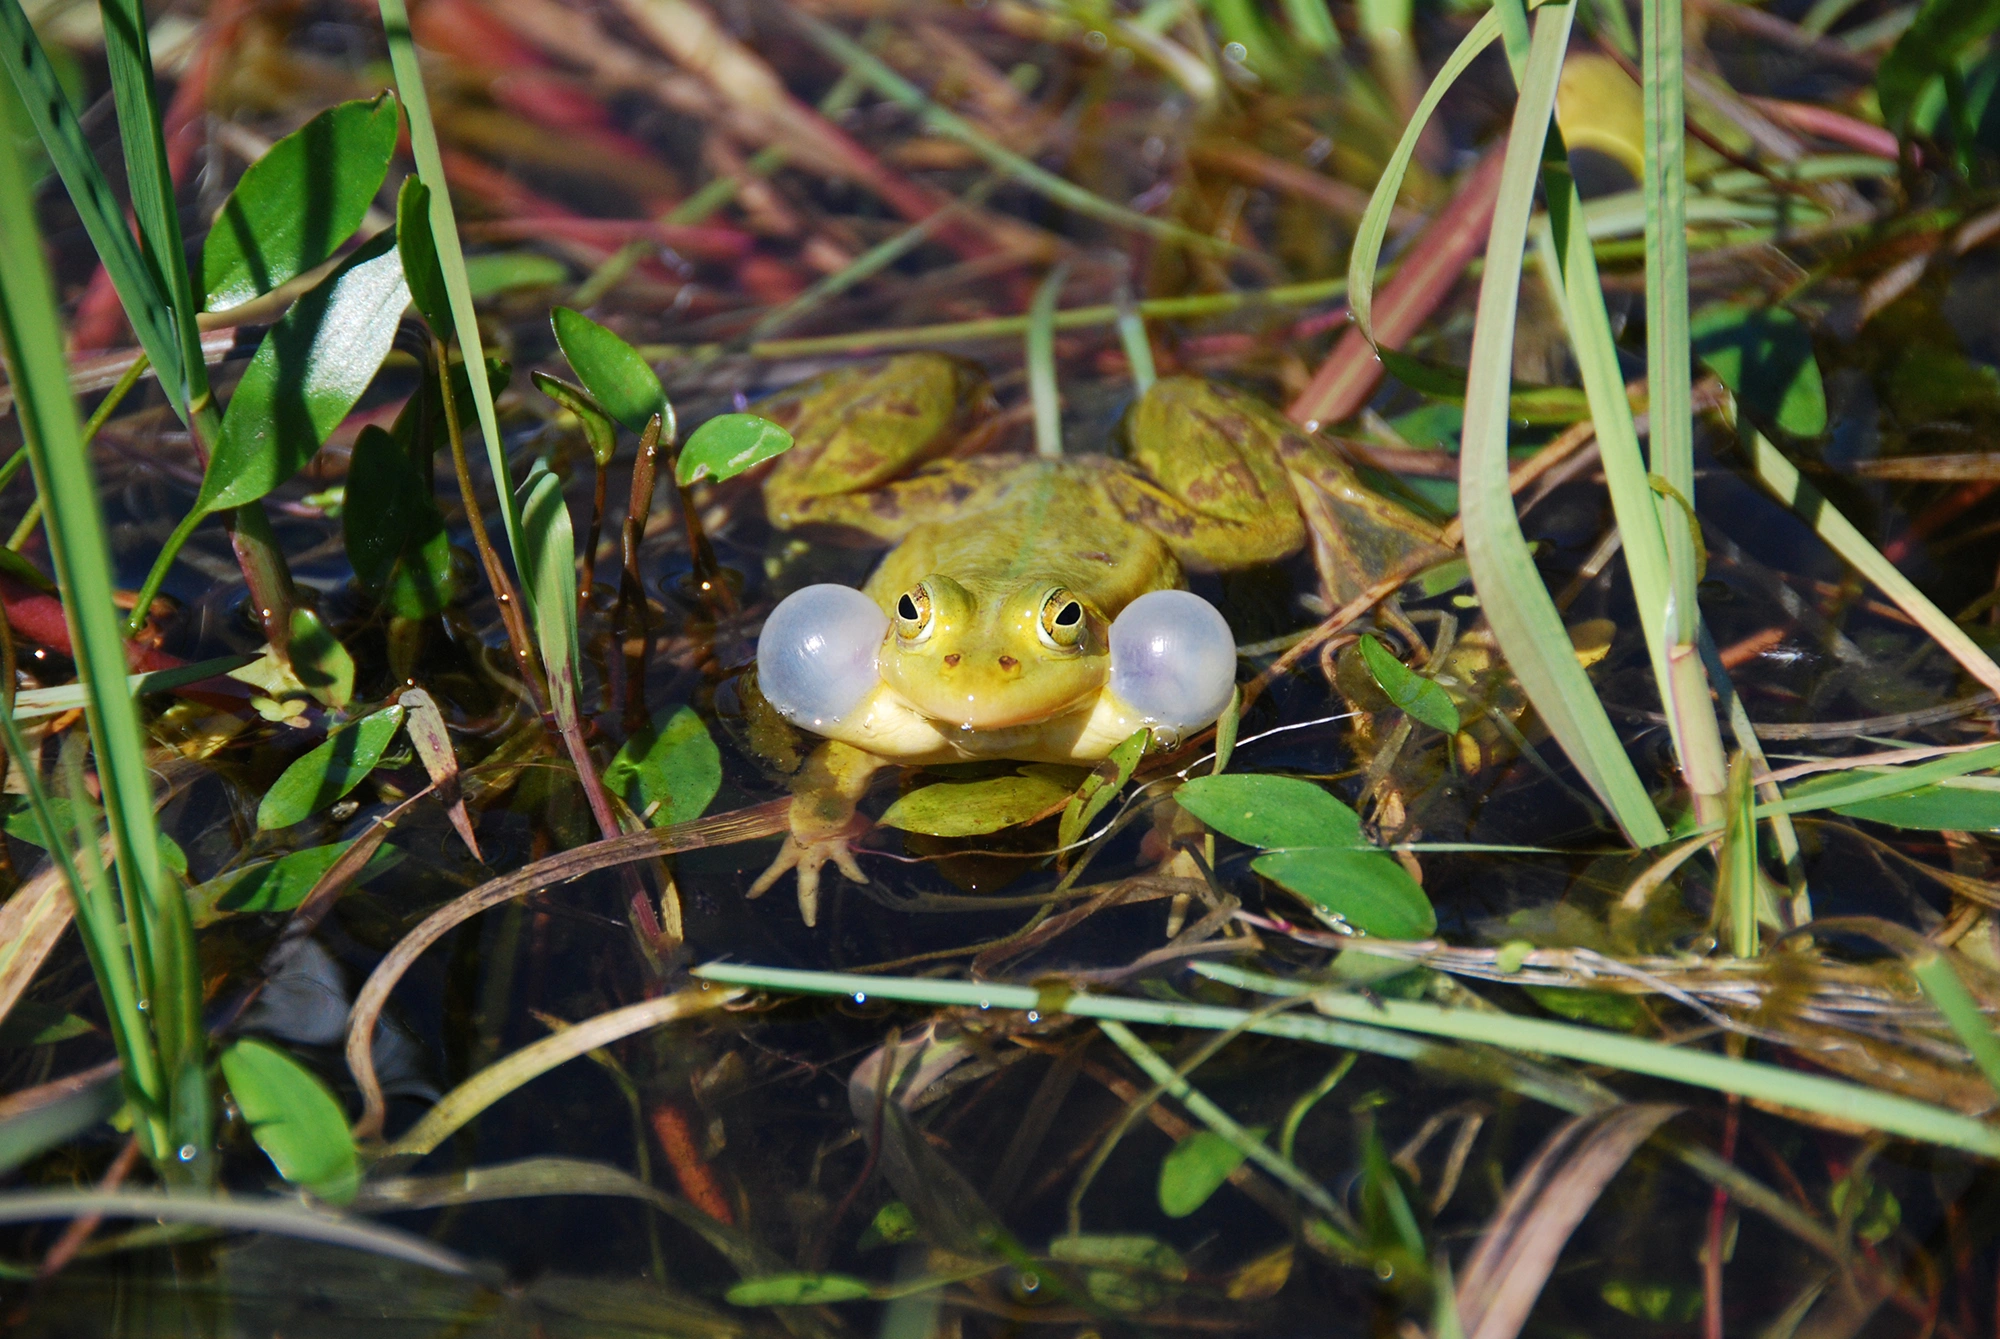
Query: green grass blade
1524	618
1132	338
1947	992
138	284
31	336
853	56
1043	393
129	52
1782	477
1363	1022
451	259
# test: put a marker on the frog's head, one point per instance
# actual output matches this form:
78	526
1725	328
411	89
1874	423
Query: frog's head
1004	656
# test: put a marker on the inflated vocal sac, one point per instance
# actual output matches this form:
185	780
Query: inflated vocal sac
1173	660
816	655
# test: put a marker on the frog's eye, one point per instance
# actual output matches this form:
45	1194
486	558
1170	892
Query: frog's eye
816	655
1173	659
1061	622
913	615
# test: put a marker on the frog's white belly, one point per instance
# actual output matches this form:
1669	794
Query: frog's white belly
886	725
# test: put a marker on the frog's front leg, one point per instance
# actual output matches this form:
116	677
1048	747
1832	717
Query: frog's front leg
825	822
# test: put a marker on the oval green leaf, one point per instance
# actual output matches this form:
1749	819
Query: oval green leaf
329	771
598	429
1419	698
277	885
379	477
668	772
1765	356
1101	787
727	445
297	204
1270	811
1195	1170
294	1119
1133	1254
799	1290
548	567
1368	890
972	808
306	375
320	662
418	248
611	370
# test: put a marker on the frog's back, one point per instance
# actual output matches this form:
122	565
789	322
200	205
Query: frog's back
1046	519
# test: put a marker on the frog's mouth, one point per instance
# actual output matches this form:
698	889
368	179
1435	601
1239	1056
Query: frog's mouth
994	709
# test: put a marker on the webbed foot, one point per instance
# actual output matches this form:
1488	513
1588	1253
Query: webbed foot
808	853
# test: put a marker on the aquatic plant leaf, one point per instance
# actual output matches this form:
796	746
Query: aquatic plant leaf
1419	698
56	1112
669	771
1270	811
306	376
277	885
319	660
971	808
1876	1212
1943	808
295	206
548	571
798	1290
1929	49
1194	1170
598	430
418	248
329	771
1102	786
495	272
1765	356
294	1119
1620	1013
380	506
1136	1254
1368	890
727	445
892	1225
612	371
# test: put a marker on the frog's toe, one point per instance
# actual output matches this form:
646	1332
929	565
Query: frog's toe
808	858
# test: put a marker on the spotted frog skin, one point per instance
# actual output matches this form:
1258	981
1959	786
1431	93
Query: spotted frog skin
1019	612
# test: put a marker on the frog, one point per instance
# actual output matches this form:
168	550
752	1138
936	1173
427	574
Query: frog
1028	608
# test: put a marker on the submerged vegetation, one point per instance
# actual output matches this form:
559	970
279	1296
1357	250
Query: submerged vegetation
1602	827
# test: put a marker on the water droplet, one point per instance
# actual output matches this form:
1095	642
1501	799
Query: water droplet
1235	51
986	1004
187	1152
861	997
1034	1017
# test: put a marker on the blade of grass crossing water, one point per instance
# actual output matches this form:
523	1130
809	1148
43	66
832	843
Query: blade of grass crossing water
1043	392
451	260
160	934
1523	617
129	52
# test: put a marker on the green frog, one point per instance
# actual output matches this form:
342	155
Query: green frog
1028	608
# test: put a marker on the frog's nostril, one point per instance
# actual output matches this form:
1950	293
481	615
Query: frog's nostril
1008	663
951	661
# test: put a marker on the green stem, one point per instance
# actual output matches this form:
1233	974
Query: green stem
1041	358
158	575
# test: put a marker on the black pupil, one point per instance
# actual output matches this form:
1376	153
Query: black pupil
907	608
1069	615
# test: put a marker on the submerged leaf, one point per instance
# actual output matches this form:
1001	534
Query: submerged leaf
971	808
277	885
306	376
669	771
1421	699
798	1290
329	771
1195	1170
612	371
1136	1254
1270	811
297	204
293	1118
727	445
1366	889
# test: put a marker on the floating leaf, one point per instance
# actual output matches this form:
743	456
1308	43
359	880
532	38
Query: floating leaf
1195	1170
798	1290
612	371
329	771
970	808
1101	787
295	206
1420	698
418	248
306	376
293	1118
598	429
277	885
1765	356
1270	811
1136	1254
727	445
1368	890
668	772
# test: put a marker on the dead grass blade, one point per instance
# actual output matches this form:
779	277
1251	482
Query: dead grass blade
433	744
31	922
764	820
1500	1283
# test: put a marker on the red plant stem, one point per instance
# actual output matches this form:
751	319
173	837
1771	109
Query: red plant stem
1432	265
1718	1207
698	1181
79	1231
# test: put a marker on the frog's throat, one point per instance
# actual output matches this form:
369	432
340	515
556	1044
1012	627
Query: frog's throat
885	724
